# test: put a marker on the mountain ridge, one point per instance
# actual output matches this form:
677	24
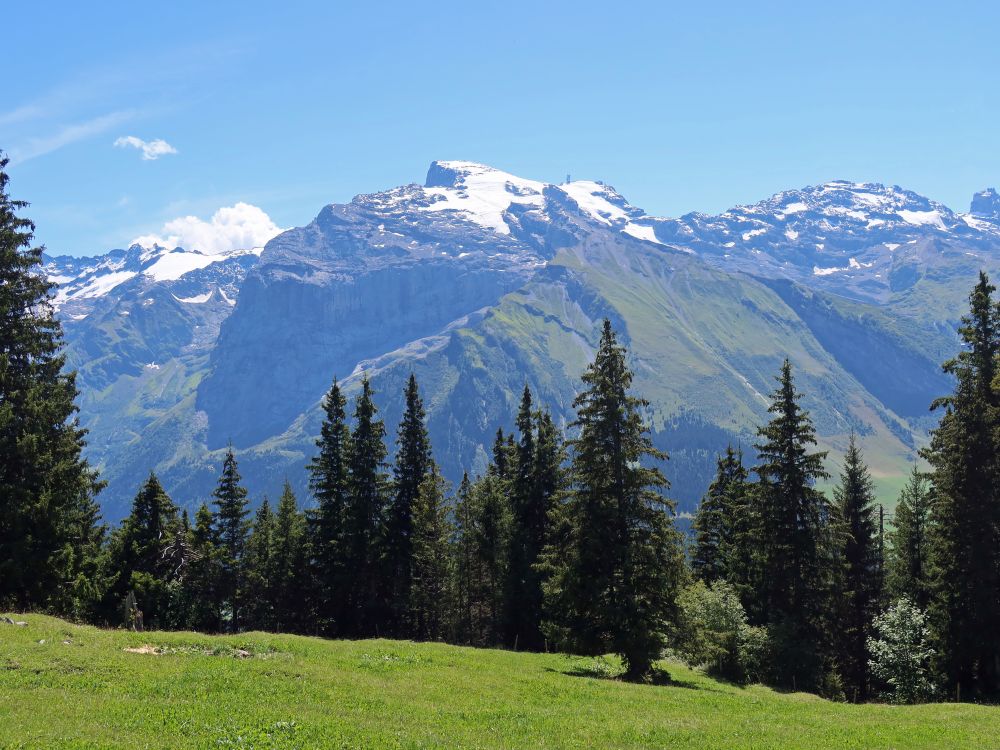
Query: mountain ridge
480	281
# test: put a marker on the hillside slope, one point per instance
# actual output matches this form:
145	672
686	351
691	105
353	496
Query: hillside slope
67	686
480	281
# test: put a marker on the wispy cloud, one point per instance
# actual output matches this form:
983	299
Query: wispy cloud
36	146
241	226
151	150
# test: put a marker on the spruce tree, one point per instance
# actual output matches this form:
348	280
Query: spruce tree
490	543
965	511
363	521
202	583
49	533
861	576
907	564
430	592
462	567
138	556
287	566
715	522
796	549
413	464
329	482
259	604
523	602
232	529
615	574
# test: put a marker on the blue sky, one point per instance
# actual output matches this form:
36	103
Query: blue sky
290	106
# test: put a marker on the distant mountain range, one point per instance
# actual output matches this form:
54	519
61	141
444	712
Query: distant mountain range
479	281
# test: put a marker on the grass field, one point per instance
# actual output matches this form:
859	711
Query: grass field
66	686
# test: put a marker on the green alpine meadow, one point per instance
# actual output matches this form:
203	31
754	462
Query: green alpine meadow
71	686
344	404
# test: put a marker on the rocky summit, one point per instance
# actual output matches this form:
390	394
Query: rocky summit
479	280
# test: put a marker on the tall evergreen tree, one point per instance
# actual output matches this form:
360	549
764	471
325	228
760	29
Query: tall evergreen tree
286	571
232	529
430	593
523	604
615	575
965	512
907	564
202	583
795	541
49	534
364	517
138	553
861	563
330	484
715	523
463	568
258	609
413	465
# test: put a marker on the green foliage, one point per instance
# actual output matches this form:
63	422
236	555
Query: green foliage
414	463
795	545
364	516
901	654
49	536
231	530
430	603
712	631
860	585
615	564
965	511
482	539
717	553
138	559
907	560
329	482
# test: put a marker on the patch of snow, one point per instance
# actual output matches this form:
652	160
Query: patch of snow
225	297
96	287
817	271
172	266
891	246
152	366
795	208
791	234
197	299
922	218
483	194
753	233
642	232
592	200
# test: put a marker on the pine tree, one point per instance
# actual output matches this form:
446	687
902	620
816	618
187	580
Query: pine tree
523	605
413	464
49	533
364	517
715	523
907	566
203	584
463	562
232	529
861	563
329	481
965	511
138	553
287	566
258	609
795	541
430	592
615	574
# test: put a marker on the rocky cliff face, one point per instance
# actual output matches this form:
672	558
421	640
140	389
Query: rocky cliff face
479	281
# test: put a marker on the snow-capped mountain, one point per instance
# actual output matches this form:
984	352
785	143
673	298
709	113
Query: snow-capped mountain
479	281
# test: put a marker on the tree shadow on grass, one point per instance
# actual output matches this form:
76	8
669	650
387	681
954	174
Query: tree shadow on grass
600	669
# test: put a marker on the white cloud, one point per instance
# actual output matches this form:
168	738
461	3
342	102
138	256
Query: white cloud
151	150
241	226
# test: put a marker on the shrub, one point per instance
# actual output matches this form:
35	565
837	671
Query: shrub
900	653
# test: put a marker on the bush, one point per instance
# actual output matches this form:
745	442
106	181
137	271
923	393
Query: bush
713	633
900	653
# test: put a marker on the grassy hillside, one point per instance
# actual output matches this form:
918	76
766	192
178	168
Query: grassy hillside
65	686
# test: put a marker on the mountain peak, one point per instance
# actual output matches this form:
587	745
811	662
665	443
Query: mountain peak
986	204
